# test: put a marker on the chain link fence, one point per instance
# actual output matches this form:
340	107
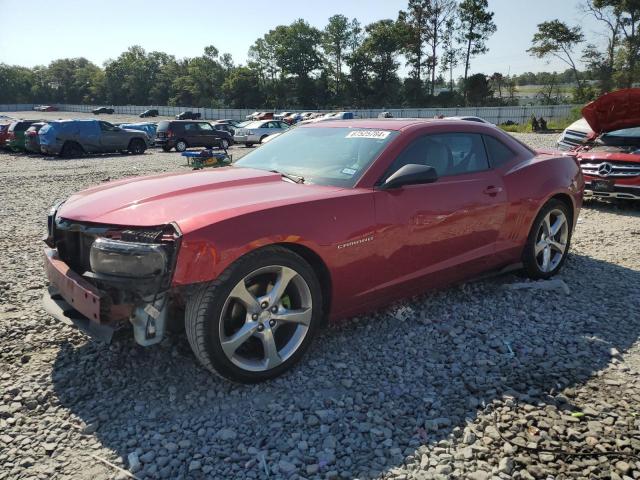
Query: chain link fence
497	115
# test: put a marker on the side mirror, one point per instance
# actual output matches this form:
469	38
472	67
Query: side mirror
411	174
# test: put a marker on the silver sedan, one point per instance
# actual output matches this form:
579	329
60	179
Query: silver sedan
256	132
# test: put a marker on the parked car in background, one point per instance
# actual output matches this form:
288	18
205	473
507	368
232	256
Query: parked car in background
101	110
229	121
253	116
74	138
257	131
183	134
45	108
31	138
609	153
226	127
469	118
385	115
188	115
265	116
281	115
15	134
147	127
574	135
327	221
4	133
149	113
292	118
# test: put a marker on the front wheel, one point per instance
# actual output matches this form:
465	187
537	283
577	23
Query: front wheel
548	243
256	321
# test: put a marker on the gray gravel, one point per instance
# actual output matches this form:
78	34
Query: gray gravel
484	380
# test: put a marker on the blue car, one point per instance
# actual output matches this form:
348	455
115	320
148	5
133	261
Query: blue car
147	127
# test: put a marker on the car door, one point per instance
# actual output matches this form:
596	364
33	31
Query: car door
192	134
436	233
111	138
208	135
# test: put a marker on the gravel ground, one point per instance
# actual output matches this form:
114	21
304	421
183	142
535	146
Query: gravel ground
478	381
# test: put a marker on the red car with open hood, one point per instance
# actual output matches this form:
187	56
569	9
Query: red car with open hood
610	156
326	221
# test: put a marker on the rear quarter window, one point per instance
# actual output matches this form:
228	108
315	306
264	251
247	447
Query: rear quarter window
498	152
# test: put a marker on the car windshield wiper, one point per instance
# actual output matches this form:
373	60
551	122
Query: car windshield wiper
289	176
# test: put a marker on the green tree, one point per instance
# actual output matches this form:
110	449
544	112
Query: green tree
241	89
337	38
451	52
381	46
475	27
413	29
440	16
557	39
628	12
478	90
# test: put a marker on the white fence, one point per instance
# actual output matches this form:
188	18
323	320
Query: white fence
497	115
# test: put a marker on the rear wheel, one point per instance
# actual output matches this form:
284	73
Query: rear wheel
548	242
258	318
137	146
181	146
71	150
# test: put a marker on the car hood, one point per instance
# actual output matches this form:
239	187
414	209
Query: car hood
191	200
614	111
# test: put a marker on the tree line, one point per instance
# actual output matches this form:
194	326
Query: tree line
348	64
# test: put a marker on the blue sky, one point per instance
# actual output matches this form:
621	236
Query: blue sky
40	31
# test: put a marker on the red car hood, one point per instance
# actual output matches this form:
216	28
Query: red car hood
614	111
192	200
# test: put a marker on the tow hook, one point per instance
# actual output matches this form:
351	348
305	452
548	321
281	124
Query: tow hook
149	320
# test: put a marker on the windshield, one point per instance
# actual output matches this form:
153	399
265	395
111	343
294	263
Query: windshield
326	156
627	132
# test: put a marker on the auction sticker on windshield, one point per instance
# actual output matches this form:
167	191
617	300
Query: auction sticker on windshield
374	134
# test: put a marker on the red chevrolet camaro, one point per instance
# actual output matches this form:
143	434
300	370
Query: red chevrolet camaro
324	222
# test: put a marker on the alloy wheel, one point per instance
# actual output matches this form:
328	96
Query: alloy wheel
551	240
265	318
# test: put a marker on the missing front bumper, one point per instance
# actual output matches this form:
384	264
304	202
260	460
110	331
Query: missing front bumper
55	304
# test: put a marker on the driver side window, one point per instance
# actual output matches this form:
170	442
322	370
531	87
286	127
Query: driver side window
448	153
107	127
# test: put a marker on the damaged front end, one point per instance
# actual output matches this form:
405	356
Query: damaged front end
103	277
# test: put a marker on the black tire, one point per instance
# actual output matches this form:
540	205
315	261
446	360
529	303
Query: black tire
166	149
263	137
224	143
530	259
137	146
204	310
71	150
181	145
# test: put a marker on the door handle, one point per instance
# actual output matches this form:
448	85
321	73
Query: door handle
492	190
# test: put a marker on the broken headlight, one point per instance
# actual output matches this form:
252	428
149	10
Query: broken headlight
128	259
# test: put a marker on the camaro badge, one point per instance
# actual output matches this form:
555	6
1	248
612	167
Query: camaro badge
353	243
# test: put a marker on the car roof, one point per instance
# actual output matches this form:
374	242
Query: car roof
381	123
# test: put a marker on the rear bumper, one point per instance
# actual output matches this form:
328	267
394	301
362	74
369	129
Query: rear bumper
73	300
164	142
50	149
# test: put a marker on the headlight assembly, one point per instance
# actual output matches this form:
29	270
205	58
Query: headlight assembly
128	259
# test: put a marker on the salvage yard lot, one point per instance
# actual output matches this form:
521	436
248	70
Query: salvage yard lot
476	381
